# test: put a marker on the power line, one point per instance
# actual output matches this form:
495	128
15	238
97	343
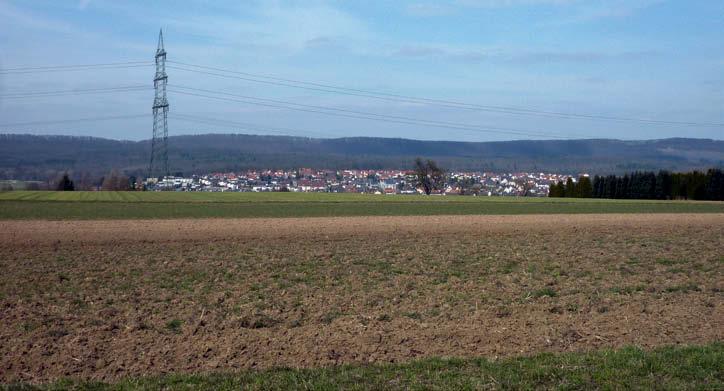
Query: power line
345	92
257	127
76	65
355	114
64	121
370	116
246	125
330	88
297	86
22	95
322	87
72	68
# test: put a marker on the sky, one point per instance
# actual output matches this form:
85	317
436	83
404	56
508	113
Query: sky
511	62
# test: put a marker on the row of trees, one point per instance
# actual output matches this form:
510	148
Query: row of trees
663	185
114	181
580	189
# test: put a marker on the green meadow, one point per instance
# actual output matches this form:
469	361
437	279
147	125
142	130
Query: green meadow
668	368
148	205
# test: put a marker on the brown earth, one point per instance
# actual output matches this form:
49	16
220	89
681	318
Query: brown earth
109	299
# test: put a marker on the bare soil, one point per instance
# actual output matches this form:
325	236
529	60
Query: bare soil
109	299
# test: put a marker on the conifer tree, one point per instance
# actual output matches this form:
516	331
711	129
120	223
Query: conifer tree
570	189
584	189
65	184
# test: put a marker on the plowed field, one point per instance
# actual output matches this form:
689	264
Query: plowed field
109	299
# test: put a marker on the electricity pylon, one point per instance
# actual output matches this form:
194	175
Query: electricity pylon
159	144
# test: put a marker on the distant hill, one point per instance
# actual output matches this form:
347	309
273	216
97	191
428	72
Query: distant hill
38	157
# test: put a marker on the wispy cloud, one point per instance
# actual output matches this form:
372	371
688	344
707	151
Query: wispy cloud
610	9
83	4
573	11
520	56
440	8
16	18
429	9
512	3
538	57
281	28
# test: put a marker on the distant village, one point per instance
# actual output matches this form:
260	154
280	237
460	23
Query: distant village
362	181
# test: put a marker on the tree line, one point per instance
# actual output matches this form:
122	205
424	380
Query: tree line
664	185
113	181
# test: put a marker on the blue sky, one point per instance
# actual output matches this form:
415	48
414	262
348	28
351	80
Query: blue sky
650	59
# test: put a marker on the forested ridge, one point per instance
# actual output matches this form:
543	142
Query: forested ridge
32	157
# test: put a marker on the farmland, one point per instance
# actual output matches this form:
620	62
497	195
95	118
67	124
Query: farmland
149	205
367	301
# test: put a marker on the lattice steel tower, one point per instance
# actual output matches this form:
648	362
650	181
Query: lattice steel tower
159	143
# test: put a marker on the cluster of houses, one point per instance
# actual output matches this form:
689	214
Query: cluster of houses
363	181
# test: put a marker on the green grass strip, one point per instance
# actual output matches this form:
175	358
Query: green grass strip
674	368
149	205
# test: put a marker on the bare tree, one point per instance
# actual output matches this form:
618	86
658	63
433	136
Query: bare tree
115	182
466	185
528	188
429	176
85	182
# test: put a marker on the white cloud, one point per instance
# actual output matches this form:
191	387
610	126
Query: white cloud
429	9
512	3
290	28
513	55
577	11
606	9
16	18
